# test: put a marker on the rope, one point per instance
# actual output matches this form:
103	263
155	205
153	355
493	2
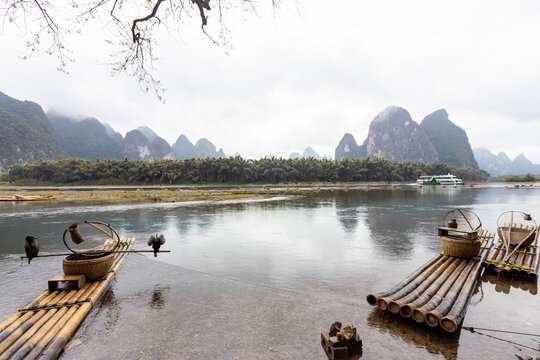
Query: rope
472	330
305	295
55	306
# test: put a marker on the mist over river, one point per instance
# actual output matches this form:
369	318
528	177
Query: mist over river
261	279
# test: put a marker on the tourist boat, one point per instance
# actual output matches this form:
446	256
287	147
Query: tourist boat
439	180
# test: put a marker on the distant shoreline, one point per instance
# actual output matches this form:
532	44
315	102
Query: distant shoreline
183	193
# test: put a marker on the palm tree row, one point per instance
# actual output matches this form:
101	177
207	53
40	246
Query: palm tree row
228	170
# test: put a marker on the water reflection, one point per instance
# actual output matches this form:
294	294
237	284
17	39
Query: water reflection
435	341
157	299
503	285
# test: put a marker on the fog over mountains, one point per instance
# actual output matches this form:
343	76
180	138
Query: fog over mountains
28	134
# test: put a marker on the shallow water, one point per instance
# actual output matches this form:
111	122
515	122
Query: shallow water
262	279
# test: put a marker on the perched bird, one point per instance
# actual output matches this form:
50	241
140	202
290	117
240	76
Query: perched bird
31	247
155	242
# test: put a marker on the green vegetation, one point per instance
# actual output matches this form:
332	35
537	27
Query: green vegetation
515	178
228	170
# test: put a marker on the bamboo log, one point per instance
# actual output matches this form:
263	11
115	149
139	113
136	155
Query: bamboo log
33	347
396	304
515	270
383	302
57	344
528	262
419	314
492	256
498	259
508	265
533	274
22	318
434	316
26	325
17	315
373	298
406	309
13	348
451	321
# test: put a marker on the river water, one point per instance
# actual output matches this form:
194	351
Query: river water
262	279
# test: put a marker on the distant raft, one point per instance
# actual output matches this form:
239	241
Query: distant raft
439	291
17	197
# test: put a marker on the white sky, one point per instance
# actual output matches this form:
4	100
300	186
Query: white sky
310	74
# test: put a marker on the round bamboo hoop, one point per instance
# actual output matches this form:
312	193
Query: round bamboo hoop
461	248
92	267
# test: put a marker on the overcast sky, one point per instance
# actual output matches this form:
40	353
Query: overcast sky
310	73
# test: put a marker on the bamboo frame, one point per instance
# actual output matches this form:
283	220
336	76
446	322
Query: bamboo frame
440	290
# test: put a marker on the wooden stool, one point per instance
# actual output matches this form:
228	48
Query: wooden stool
66	282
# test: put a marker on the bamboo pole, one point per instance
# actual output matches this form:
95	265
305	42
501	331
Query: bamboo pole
492	256
27	335
406	309
395	305
17	315
384	302
33	347
434	316
451	321
419	314
26	325
57	344
492	265
22	318
373	298
534	274
114	251
508	265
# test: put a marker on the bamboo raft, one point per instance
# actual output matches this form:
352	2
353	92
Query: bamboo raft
41	329
26	198
523	263
438	292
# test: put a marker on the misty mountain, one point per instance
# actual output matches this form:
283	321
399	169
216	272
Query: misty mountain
204	148
86	139
310	153
501	165
393	135
295	155
449	140
26	135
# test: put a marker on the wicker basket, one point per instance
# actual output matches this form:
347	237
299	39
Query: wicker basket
517	235
92	266
461	248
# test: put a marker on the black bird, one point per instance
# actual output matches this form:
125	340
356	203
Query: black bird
155	242
31	247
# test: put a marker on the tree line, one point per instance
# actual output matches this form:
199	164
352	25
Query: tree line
233	170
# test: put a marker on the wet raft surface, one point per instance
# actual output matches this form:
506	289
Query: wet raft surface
42	333
439	291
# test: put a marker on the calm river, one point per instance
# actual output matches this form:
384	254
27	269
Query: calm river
262	279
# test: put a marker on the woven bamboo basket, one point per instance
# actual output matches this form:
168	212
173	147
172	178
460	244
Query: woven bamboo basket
93	266
517	235
462	248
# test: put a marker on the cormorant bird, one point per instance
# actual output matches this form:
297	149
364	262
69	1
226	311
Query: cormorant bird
155	242
31	247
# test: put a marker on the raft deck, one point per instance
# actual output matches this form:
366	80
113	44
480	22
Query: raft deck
438	292
41	329
522	264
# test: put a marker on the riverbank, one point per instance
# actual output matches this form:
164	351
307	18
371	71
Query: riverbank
133	194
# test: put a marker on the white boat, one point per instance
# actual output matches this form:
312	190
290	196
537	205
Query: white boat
439	180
